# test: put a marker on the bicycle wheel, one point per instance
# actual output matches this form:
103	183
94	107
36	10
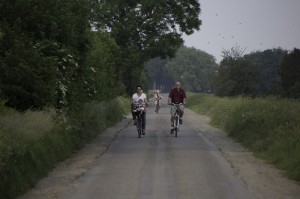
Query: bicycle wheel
156	108
139	126
176	125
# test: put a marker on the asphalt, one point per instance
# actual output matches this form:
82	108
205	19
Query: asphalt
160	166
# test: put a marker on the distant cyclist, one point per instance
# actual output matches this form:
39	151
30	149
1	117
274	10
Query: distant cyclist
157	98
177	96
136	97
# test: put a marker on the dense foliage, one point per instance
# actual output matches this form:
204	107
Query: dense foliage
236	76
194	68
74	57
269	72
158	75
268	64
49	55
33	142
290	73
41	47
267	126
145	29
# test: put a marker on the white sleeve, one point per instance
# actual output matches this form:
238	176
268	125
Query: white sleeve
133	98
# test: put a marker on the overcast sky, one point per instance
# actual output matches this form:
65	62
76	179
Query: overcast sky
251	24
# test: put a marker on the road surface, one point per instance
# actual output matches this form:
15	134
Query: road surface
202	162
160	166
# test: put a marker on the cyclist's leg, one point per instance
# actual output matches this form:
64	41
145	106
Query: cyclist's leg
132	108
134	116
181	112
143	121
172	111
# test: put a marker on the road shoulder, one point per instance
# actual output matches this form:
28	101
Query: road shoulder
64	175
262	179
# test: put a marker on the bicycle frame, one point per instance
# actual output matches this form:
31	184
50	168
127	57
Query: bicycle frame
157	107
139	109
176	118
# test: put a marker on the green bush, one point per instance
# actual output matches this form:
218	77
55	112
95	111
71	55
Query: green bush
270	127
32	143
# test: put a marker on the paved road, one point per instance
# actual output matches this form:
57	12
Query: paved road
160	166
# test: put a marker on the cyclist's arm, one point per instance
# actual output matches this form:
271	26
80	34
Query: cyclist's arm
184	101
145	99
169	100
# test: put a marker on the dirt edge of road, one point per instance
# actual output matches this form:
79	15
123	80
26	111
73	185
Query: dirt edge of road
65	174
262	179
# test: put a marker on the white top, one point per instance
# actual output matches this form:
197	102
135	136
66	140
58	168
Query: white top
136	98
157	96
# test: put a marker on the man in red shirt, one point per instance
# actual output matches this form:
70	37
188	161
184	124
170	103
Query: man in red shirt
177	96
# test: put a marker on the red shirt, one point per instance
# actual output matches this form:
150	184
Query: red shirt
177	96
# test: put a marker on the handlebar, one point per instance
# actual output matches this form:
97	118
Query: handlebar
139	107
173	104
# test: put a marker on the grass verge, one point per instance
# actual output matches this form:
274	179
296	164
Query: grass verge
32	143
270	127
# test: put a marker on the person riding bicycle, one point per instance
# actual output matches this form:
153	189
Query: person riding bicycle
157	98
136	97
177	96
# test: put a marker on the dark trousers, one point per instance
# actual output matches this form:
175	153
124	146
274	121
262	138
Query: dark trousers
143	115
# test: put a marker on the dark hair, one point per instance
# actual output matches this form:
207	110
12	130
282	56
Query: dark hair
138	87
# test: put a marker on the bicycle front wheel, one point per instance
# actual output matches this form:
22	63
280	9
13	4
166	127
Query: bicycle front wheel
139	127
176	122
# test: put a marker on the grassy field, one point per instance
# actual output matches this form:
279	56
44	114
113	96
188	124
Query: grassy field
32	143
270	127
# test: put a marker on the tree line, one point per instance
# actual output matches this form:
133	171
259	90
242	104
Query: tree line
193	67
64	53
274	72
270	72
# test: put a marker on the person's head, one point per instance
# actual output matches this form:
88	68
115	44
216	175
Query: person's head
139	89
157	91
177	85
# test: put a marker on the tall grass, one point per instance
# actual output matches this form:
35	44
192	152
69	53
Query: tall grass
270	127
32	143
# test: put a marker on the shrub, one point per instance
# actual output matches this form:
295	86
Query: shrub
32	143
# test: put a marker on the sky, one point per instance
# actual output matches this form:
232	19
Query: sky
253	25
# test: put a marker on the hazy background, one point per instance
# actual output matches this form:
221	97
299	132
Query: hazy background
251	24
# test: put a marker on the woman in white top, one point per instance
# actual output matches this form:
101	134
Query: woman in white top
136	97
139	95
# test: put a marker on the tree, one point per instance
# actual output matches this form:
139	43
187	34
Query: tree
26	79
158	75
41	46
99	68
268	63
236	75
194	67
145	29
290	73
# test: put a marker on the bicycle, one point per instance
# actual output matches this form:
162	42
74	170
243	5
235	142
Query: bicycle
157	107
139	109
176	118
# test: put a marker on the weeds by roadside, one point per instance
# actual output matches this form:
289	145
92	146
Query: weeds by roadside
270	127
32	143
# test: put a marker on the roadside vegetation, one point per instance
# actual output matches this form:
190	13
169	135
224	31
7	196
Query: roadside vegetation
67	69
33	142
270	127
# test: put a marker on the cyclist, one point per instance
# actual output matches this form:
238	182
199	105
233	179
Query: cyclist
177	95
157	97
136	97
